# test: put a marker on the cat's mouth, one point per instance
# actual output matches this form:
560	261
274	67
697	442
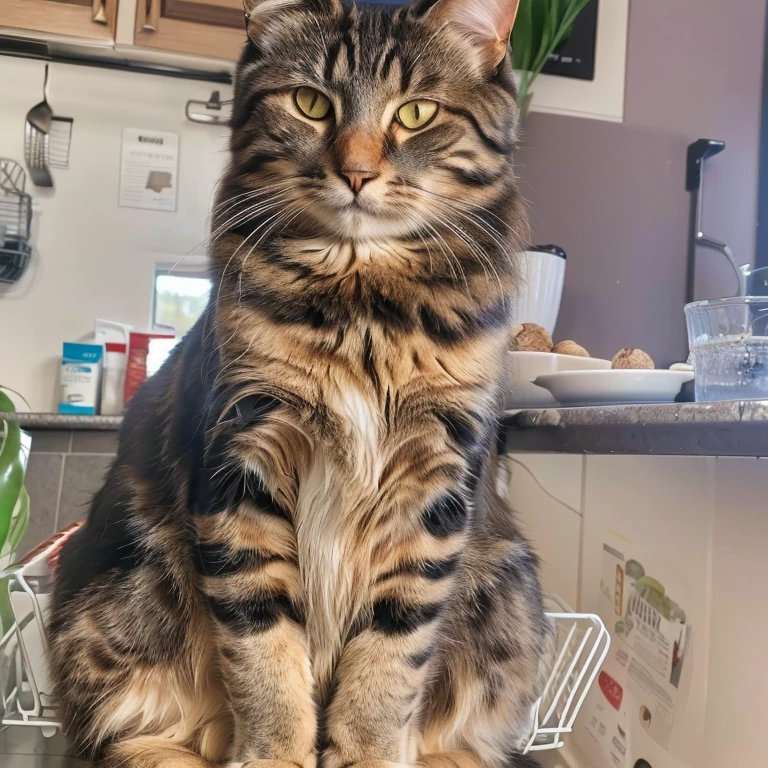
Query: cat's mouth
361	220
358	204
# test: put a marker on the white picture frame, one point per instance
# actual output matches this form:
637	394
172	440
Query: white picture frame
603	97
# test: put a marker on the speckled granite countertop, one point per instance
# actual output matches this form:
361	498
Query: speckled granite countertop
694	429
64	421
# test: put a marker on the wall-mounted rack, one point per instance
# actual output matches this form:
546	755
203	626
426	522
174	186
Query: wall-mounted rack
15	221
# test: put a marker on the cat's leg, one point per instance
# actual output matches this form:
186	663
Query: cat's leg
448	670
380	681
130	651
248	566
495	657
169	649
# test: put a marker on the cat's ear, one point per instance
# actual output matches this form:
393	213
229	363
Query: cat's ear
260	13
487	23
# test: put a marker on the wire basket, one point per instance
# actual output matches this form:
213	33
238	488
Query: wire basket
582	643
15	222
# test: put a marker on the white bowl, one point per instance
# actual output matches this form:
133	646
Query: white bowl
614	387
524	367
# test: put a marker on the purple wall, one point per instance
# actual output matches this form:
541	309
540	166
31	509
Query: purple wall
613	196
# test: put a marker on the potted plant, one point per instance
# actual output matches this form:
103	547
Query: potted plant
14	499
541	27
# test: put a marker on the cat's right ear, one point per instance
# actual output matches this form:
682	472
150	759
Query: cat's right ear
259	14
486	23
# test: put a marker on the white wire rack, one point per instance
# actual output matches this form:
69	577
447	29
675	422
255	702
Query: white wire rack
582	643
25	697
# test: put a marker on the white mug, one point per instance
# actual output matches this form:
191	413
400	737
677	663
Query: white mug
542	273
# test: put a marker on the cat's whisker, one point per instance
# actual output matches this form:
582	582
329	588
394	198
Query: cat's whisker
451	258
253	194
256	196
480	253
234	253
260	239
244	215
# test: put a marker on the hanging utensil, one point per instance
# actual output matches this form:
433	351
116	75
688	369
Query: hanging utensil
211	110
37	127
60	141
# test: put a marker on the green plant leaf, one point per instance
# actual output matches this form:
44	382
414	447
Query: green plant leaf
11	475
568	20
6	404
544	46
522	35
19	522
18	394
6	611
541	27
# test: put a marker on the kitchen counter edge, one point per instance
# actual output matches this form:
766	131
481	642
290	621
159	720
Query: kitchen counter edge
733	428
736	428
64	421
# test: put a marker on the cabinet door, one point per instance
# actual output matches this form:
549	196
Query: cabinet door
737	675
91	19
214	28
661	509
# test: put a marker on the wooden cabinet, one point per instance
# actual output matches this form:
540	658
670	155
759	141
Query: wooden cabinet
214	28
92	20
199	28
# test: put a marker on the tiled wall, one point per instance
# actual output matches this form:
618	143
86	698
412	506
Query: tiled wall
65	470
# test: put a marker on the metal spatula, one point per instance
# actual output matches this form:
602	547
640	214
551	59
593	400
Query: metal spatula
60	141
37	126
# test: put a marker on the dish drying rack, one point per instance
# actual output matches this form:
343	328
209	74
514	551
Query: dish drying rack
15	221
582	643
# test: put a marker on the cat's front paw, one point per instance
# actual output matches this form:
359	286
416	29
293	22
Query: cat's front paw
309	762
331	760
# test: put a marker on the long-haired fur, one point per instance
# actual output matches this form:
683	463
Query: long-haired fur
297	555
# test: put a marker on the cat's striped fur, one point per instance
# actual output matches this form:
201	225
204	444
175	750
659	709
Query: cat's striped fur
297	555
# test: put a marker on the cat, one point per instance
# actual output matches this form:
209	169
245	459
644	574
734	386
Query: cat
297	557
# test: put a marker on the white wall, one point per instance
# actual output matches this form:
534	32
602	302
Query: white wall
93	258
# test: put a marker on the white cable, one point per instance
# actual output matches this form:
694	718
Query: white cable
543	489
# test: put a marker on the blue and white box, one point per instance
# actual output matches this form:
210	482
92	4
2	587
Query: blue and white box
80	378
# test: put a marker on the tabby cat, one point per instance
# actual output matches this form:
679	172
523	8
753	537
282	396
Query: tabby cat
297	556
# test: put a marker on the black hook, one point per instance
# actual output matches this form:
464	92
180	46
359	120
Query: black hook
698	152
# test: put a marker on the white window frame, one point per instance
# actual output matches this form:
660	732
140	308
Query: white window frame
197	271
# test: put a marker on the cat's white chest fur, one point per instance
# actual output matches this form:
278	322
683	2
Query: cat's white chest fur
332	499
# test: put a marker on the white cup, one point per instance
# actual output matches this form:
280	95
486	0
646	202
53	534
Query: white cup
542	273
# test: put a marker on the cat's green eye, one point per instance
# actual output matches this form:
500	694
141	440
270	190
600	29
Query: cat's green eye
312	103
417	114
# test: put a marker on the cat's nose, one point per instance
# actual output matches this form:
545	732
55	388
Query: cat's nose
357	179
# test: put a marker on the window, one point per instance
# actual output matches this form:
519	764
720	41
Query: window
179	299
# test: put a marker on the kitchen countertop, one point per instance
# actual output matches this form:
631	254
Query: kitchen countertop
730	428
696	429
63	421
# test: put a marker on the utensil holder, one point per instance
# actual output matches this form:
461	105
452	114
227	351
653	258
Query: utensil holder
15	222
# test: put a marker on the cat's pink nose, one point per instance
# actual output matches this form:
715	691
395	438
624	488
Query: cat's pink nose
359	178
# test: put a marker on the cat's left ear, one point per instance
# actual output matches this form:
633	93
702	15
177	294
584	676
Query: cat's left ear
260	13
488	23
